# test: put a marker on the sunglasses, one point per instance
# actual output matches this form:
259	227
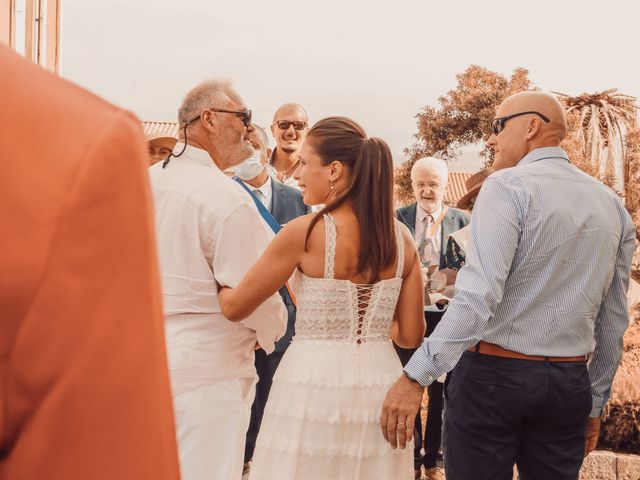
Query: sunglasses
244	115
497	124
285	124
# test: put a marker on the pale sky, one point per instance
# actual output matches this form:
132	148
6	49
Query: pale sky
378	62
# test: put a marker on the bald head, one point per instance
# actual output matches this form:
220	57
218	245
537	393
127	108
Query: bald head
541	102
288	110
526	121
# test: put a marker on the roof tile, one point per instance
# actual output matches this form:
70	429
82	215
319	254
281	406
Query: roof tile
170	129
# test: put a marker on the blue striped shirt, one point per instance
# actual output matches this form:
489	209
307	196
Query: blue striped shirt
547	274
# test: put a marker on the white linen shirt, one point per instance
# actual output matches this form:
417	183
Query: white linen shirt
209	233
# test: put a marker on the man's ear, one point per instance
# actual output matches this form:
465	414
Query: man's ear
207	119
533	127
269	153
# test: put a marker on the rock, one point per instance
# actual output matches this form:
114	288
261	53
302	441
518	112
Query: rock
599	465
628	467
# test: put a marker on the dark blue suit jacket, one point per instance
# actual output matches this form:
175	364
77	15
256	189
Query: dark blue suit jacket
453	221
286	204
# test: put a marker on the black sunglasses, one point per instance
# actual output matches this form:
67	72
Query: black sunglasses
285	124
244	115
497	124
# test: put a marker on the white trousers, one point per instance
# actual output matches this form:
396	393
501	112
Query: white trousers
211	425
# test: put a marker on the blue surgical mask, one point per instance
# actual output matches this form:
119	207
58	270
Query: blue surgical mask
251	167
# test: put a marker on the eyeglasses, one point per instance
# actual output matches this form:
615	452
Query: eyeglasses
497	124
285	124
244	115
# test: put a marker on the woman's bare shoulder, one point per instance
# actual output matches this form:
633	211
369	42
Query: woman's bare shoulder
300	224
296	229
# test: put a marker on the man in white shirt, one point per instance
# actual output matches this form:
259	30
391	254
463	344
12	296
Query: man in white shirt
209	233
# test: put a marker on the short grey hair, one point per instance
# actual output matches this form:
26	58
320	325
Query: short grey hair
210	93
433	163
263	134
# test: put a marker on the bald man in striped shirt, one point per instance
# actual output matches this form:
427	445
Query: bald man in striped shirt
535	330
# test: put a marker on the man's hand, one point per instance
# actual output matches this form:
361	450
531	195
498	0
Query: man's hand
591	435
399	411
451	275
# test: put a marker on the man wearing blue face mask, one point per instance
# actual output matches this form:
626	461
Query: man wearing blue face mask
253	171
284	203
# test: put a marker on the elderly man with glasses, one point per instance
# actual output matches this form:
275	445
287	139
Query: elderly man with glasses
209	233
289	127
535	330
430	222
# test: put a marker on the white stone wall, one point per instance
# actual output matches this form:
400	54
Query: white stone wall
601	465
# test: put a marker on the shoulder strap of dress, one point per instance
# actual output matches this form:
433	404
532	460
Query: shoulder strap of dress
400	243
329	246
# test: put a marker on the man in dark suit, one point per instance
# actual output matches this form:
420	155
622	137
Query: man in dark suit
430	223
284	203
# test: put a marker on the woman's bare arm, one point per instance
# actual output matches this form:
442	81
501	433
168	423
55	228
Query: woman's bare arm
270	272
409	326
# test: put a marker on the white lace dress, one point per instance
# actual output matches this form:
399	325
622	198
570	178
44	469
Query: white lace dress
322	419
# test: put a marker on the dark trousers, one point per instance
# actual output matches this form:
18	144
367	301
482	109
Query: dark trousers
502	411
266	366
433	431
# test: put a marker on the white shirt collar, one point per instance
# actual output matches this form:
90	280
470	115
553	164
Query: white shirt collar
194	154
543	153
266	185
421	213
265	188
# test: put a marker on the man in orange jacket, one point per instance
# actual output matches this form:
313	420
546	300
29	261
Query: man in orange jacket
84	391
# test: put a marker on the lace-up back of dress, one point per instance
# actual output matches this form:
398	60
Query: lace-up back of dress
340	310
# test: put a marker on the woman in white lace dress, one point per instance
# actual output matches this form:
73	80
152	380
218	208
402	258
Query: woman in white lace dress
358	284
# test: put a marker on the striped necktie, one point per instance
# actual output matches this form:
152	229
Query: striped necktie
426	247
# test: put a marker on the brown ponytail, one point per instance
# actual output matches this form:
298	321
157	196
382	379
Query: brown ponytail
370	191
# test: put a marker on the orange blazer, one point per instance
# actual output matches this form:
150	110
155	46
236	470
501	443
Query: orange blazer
84	389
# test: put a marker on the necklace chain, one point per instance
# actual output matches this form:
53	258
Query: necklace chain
286	173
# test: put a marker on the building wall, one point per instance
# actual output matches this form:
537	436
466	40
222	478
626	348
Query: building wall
31	28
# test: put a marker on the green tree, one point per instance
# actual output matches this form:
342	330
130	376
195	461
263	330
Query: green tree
603	140
598	123
632	192
463	118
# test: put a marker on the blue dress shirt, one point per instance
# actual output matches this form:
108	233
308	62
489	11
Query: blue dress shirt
547	274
